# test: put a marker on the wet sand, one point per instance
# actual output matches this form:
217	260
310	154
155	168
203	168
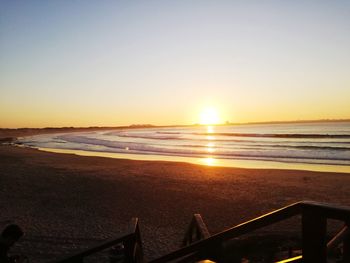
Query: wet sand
67	202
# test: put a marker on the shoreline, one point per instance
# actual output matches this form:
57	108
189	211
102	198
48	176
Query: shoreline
220	161
209	161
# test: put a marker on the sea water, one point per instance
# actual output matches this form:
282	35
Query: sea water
326	144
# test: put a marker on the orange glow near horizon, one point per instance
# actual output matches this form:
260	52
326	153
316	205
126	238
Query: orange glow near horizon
196	113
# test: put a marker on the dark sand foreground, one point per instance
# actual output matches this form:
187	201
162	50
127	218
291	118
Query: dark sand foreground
67	202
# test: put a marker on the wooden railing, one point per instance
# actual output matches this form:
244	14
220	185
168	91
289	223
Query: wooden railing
199	244
314	225
131	240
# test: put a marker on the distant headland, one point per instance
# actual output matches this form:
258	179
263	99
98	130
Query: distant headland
138	126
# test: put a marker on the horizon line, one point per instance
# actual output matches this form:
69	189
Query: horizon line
227	123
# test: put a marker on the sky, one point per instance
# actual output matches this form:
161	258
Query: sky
110	63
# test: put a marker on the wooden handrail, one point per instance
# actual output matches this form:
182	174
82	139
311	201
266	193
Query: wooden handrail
294	259
77	257
314	209
233	232
337	212
127	238
338	238
314	219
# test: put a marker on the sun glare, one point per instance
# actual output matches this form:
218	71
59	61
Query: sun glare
209	116
209	161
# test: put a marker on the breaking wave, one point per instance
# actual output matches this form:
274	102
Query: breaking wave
317	143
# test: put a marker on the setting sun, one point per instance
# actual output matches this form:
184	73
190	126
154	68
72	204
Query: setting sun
209	116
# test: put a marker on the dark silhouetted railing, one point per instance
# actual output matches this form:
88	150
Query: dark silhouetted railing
131	241
199	244
314	223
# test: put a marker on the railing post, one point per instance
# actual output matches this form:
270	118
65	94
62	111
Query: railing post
346	245
189	232
314	229
138	245
133	245
129	246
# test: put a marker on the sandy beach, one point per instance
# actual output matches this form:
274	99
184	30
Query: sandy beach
67	202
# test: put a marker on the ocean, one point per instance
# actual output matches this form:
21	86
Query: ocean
315	144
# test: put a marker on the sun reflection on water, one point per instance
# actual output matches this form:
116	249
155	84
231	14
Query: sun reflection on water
210	129
210	147
210	144
210	161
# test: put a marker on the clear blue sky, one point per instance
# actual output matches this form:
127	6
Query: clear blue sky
82	63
